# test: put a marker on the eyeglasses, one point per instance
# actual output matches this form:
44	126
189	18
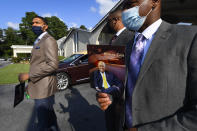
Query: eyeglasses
112	19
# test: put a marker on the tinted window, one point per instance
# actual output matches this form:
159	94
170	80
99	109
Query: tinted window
84	59
70	59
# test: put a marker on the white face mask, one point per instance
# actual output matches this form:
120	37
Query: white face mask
132	20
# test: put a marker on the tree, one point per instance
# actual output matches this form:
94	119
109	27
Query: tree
83	27
25	36
1	42
57	28
25	28
13	37
1	34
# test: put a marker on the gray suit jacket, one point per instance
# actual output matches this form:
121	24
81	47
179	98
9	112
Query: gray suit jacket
165	94
43	65
123	38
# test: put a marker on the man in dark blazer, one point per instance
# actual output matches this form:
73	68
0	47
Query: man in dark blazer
114	88
164	96
42	78
111	79
122	35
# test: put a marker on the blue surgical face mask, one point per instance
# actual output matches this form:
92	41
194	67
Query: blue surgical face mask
132	20
37	30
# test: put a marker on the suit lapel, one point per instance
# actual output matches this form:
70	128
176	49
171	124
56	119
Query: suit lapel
158	41
42	39
121	35
38	44
128	50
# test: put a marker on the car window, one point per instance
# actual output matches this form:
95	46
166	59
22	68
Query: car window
84	59
70	59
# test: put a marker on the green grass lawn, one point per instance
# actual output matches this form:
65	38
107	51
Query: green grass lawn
9	74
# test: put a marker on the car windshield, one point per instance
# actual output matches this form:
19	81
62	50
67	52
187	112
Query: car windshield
70	58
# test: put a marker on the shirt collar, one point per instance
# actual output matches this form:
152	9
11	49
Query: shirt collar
120	31
102	73
150	31
40	36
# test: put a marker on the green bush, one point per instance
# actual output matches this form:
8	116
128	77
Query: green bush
16	59
61	57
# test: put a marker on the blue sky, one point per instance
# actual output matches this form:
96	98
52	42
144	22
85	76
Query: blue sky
72	12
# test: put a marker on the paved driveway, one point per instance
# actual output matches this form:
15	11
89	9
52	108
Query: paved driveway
76	109
4	63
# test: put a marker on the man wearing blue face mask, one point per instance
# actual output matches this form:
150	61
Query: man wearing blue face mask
42	81
161	79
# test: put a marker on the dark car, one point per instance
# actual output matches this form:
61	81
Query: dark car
73	70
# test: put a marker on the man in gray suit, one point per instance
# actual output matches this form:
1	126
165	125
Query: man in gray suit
161	80
122	36
42	78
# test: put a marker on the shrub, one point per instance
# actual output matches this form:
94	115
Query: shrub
61	57
16	59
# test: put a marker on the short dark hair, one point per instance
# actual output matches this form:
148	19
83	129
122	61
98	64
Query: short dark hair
42	18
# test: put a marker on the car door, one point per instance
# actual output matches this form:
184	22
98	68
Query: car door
80	70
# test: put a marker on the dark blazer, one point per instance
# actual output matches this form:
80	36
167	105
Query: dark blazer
123	38
43	65
112	114
165	94
111	79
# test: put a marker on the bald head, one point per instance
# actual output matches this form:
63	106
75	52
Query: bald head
101	66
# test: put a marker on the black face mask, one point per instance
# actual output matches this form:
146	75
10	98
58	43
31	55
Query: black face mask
37	30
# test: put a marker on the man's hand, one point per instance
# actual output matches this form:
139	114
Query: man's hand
22	77
103	100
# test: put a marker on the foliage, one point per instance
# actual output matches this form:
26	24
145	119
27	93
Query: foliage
57	28
83	27
1	34
13	37
25	36
16	59
61	57
25	28
9	74
22	57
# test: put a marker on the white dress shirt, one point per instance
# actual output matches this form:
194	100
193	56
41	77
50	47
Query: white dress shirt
40	37
120	31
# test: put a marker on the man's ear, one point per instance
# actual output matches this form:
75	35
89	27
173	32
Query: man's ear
45	27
